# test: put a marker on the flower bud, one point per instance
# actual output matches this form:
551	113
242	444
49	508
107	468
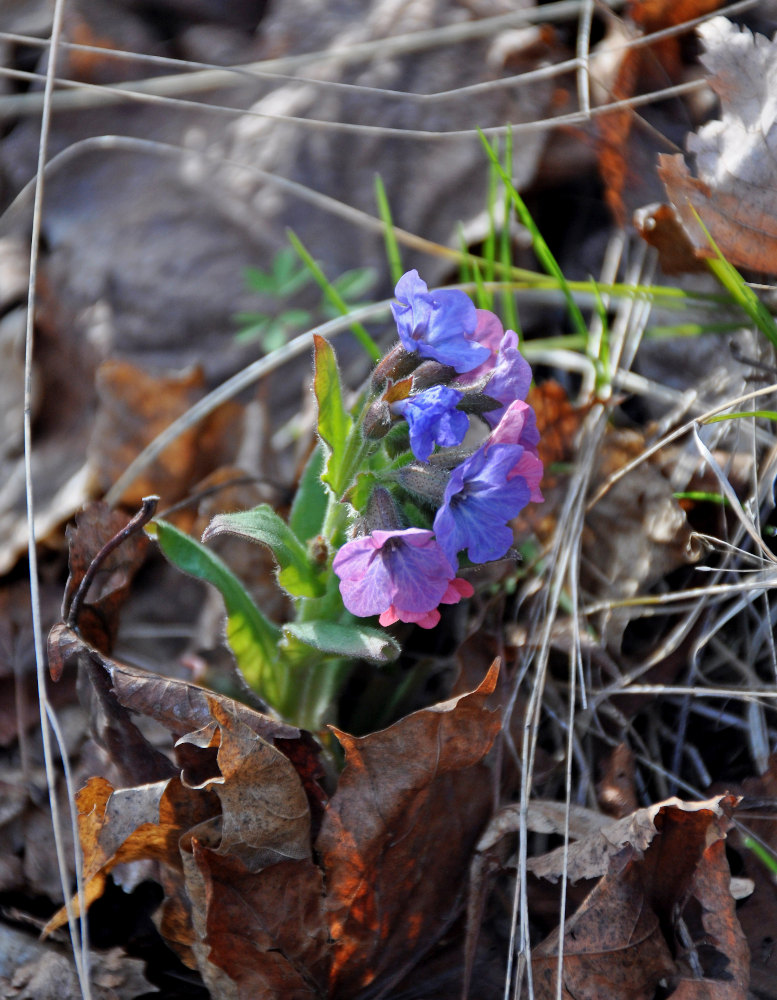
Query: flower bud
478	402
449	458
397	364
432	373
377	420
381	513
424	481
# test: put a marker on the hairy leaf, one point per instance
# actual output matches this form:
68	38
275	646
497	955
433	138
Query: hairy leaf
297	575
252	638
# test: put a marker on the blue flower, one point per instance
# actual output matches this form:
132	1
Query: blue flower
438	325
479	501
433	419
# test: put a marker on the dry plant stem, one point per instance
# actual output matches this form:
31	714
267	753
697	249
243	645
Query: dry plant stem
159	89
320	124
583	49
79	941
391	47
673	436
732	498
143	516
625	336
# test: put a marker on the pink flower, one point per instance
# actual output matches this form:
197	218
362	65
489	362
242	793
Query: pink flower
518	425
488	333
401	575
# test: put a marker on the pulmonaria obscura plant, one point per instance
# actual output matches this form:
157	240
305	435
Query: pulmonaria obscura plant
394	501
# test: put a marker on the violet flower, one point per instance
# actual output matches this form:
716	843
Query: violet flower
438	325
488	333
479	501
401	575
432	418
511	377
519	426
491	487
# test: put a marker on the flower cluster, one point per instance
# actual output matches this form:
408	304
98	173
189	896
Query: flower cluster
453	362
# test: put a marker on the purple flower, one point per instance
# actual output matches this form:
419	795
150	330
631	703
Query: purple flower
511	377
401	575
433	419
519	426
479	500
488	333
438	325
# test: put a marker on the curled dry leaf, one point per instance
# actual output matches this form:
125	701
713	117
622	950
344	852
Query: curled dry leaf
624	938
398	834
589	856
734	194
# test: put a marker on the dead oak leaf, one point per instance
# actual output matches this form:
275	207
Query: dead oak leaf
265	815
398	835
267	929
621	941
134	407
131	824
589	855
734	192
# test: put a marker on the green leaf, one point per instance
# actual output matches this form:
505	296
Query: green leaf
296	574
252	638
349	641
354	284
334	424
310	501
258	281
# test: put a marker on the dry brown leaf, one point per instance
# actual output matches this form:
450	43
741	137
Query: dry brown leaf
398	835
637	70
613	945
590	855
758	913
265	815
267	929
131	824
717	939
616	944
659	226
135	406
734	190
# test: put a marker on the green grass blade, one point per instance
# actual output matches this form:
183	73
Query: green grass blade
393	254
738	289
509	308
541	248
333	296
